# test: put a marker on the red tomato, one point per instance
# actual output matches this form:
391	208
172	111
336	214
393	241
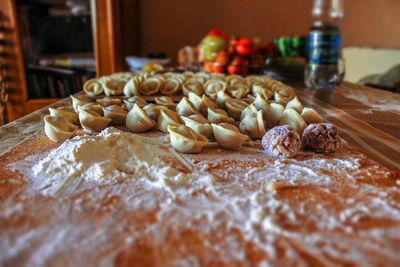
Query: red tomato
222	58
208	66
245	42
235	69
244	50
219	32
218	68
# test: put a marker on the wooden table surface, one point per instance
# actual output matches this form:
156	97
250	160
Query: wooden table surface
369	120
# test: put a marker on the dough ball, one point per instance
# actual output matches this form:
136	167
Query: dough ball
321	137
281	141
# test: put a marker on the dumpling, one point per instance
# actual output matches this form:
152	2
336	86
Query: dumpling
274	114
295	104
93	121
130	102
221	99
68	113
194	85
151	86
234	107
131	88
78	101
93	87
195	99
186	108
213	86
93	107
311	116
234	79
261	104
283	94
170	86
113	86
219	116
137	120
248	110
185	140
205	104
153	111
228	136
58	128
292	118
116	113
253	125
165	101
108	101
238	90
200	125
259	88
168	117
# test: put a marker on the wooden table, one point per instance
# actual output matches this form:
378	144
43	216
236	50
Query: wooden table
93	227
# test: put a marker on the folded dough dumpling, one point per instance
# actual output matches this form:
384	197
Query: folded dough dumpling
130	102
58	128
108	101
131	87
195	99
292	118
113	86
153	111
78	101
238	90
93	87
205	104
283	94
274	114
116	113
262	104
93	107
137	120
253	125
221	99
260	88
185	140
170	86
234	107
248	110
213	86
234	79
168	117
186	108
219	116
68	113
295	104
93	121
165	101
194	85
311	116
200	125
151	86
228	136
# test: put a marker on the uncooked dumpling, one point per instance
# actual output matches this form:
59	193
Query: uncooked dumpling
137	120
151	86
283	94
228	136
194	85
205	104
186	108
234	107
221	99
68	113
311	116
116	113
219	116
292	118
260	88
249	109
93	121
185	140
131	88
213	86
295	104
93	107
238	90
234	79
153	111
261	104
113	86
200	125
93	87
58	128
78	101
108	101
165	101
274	114
130	102
168	117
170	86
195	99
253	125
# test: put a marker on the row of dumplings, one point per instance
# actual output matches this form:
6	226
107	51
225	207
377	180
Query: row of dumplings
146	84
224	119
